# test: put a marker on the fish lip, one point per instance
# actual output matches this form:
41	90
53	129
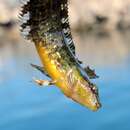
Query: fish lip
98	105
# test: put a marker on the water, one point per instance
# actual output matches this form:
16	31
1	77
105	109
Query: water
24	106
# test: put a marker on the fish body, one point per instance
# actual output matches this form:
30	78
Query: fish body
46	24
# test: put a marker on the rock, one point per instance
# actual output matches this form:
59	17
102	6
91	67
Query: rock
90	12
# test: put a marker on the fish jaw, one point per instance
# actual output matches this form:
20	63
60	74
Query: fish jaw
86	96
87	102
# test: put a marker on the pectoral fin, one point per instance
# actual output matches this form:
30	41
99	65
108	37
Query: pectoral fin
91	73
41	69
44	82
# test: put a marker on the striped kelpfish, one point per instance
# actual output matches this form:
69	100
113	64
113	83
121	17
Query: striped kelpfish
46	24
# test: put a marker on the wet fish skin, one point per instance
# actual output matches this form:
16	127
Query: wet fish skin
46	24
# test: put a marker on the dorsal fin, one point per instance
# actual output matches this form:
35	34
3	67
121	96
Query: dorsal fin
66	27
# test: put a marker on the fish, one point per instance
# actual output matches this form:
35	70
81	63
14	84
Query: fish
46	24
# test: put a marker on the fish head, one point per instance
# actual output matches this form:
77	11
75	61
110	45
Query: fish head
87	95
93	98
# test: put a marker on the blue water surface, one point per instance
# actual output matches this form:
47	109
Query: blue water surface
25	106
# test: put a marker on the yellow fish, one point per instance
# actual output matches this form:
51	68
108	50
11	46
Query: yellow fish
46	24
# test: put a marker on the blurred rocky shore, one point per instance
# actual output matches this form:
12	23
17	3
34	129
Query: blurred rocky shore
107	15
85	15
9	29
100	28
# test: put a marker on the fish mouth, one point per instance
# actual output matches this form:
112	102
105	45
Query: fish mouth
90	105
94	103
94	107
97	106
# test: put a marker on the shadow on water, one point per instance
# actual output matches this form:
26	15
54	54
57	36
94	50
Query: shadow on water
25	106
